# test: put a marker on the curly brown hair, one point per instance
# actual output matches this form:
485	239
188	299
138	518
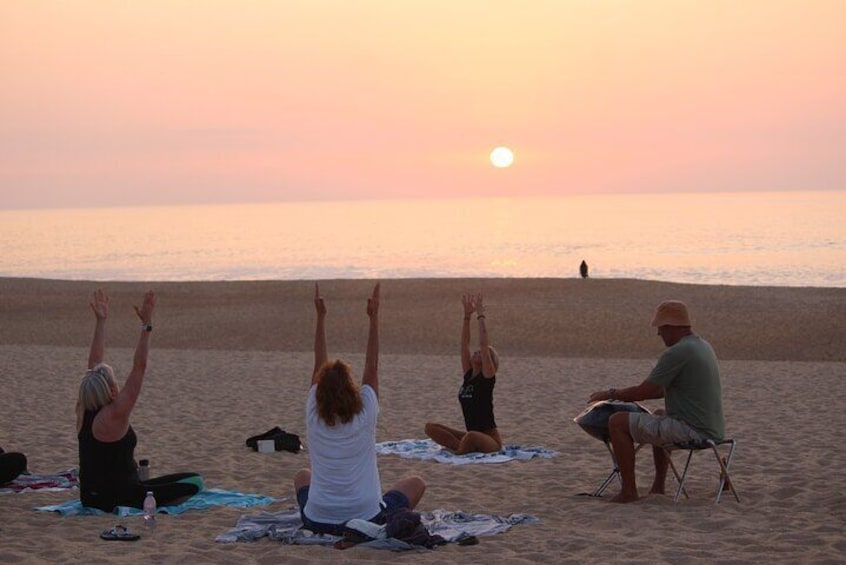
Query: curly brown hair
338	396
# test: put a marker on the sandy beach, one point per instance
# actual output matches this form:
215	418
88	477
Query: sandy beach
232	359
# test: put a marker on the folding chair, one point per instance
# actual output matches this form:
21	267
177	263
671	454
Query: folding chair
724	463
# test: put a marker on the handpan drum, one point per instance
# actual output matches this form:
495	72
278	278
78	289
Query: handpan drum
594	418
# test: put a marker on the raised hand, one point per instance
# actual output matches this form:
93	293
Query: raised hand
480	307
370	375
145	312
469	303
320	355
373	302
100	304
319	304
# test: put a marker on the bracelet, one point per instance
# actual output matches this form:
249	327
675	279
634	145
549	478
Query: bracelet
480	316
147	327
612	392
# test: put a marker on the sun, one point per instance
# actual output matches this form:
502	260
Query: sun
502	157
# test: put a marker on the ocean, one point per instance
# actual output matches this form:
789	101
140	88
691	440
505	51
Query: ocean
759	239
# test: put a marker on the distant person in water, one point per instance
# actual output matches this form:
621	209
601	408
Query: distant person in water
476	392
108	473
687	377
12	464
583	269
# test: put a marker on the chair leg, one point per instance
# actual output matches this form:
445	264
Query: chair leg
675	471
683	477
725	478
598	492
615	472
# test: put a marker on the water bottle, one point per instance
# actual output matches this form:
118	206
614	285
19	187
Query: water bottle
150	511
144	470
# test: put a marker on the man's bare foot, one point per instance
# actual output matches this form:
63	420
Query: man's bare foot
624	498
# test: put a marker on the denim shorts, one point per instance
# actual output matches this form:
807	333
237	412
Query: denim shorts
391	501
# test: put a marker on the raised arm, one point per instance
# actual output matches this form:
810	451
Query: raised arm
128	395
467	301
100	307
371	359
488	367
320	354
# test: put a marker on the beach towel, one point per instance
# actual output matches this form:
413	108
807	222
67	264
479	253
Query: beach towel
28	482
285	527
427	449
454	526
200	501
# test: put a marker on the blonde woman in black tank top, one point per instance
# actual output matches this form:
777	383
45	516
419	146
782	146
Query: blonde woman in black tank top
476	392
108	473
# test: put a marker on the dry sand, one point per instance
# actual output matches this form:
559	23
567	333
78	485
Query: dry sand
233	359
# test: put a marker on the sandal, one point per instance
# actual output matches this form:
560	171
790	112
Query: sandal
119	533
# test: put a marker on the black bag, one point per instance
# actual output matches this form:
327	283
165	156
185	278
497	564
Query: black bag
405	525
282	440
288	442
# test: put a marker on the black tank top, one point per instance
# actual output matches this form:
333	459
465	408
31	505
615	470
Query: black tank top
476	398
105	467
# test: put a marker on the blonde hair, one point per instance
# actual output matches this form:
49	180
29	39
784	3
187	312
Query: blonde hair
338	396
95	391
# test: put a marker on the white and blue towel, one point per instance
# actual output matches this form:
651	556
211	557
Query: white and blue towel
200	501
427	449
286	527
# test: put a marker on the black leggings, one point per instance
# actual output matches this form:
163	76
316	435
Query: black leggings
168	489
11	465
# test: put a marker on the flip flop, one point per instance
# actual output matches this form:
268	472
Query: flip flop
119	533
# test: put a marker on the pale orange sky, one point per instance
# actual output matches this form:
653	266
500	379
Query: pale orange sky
171	101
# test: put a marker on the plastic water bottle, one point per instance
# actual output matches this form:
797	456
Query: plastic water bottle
144	470
150	511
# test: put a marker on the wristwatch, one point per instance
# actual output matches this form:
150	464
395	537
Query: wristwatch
147	327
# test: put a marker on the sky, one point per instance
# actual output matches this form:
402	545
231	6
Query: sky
107	103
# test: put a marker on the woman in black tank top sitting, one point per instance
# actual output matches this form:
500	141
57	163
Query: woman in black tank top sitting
108	473
476	392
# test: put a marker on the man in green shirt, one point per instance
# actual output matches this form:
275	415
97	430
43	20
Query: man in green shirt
687	376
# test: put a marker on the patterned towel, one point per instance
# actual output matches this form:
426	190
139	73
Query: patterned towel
286	527
200	501
29	482
429	450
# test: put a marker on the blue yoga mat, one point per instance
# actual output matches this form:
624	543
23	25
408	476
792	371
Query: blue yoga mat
200	501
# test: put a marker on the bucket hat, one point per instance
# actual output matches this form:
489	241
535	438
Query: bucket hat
671	313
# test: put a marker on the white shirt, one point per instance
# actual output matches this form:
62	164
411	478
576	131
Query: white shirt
345	480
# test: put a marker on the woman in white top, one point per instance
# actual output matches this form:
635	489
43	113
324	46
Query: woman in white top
343	481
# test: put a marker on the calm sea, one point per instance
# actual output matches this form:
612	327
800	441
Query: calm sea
784	239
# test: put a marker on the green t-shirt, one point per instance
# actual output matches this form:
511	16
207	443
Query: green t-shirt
690	376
